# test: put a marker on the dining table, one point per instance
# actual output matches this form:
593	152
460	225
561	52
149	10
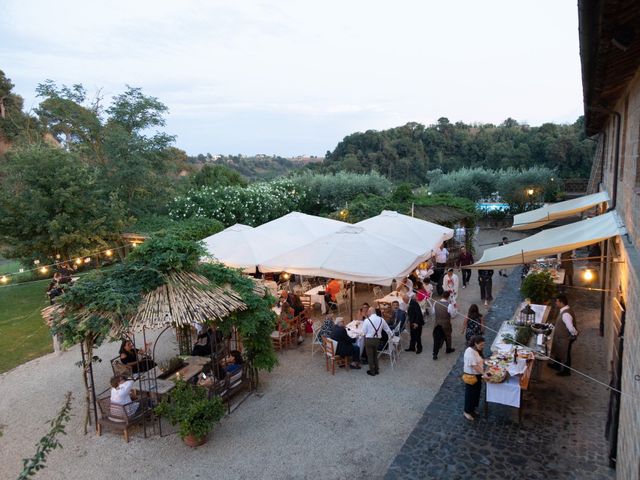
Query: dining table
317	297
355	329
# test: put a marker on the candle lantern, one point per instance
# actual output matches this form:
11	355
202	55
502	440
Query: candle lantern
527	316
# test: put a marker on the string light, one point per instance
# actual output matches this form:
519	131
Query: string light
43	270
36	262
87	260
78	261
108	253
134	244
588	275
4	279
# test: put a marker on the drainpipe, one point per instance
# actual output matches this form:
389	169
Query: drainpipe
614	201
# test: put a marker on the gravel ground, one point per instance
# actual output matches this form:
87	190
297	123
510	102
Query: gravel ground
302	423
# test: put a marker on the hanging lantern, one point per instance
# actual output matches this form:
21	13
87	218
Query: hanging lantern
527	316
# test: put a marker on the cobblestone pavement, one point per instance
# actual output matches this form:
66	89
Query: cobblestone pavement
562	433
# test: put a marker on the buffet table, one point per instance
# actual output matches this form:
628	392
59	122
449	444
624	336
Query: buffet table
509	392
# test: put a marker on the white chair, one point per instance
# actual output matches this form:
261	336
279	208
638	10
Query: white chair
306	286
391	349
316	339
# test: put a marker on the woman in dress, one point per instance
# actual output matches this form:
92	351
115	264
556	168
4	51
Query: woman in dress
473	324
474	367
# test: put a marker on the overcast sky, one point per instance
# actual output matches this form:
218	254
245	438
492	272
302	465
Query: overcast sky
294	77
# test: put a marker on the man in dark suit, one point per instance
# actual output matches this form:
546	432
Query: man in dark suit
346	345
398	317
416	322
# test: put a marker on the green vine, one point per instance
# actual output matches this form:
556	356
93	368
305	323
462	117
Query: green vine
49	442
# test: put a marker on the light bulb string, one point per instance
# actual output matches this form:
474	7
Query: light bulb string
546	357
62	262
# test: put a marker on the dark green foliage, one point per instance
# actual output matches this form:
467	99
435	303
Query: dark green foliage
167	253
218	176
189	407
253	168
538	287
49	442
52	203
402	193
14	123
407	153
194	228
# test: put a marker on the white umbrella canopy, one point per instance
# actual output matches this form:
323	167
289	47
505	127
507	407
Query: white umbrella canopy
239	246
352	253
296	229
415	234
553	241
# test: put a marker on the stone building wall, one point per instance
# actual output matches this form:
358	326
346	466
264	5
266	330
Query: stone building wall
625	276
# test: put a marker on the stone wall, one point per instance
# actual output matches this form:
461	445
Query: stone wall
625	276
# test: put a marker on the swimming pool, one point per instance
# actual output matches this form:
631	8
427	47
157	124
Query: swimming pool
492	207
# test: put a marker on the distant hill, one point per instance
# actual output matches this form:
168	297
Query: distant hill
407	153
257	167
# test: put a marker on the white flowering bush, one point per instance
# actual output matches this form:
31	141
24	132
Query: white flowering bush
253	205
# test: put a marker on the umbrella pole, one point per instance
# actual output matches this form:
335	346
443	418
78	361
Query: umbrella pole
351	304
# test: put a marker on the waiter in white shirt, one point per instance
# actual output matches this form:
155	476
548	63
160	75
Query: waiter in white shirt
564	334
441	254
372	327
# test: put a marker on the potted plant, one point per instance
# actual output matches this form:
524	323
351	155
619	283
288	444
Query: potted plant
189	407
539	287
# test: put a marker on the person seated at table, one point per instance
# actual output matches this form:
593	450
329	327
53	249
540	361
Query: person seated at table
331	293
204	342
327	326
121	395
346	345
135	358
398	317
424	273
232	363
423	292
364	309
293	300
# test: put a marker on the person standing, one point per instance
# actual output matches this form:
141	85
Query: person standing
473	324
416	322
451	284
503	271
564	334
485	280
443	311
566	262
441	254
372	329
473	365
465	259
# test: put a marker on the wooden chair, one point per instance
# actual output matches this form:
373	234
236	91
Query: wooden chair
306	302
118	417
306	286
329	347
280	337
120	368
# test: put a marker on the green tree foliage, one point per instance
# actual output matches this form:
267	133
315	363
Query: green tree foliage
218	176
407	153
14	123
253	168
328	192
473	183
53	203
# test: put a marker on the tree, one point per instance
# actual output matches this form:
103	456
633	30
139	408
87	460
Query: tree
218	176
13	121
52	203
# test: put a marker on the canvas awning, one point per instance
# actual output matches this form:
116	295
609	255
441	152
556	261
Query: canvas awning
553	241
296	229
555	211
237	246
353	253
419	236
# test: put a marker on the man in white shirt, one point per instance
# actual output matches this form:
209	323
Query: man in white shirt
564	334
441	255
372	327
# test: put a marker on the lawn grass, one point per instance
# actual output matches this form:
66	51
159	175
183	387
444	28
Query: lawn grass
23	333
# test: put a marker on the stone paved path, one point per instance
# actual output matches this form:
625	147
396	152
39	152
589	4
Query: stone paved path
562	434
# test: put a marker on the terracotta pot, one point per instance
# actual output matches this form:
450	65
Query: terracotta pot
193	441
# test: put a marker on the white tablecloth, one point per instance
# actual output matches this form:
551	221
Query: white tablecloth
506	393
390	298
355	330
317	298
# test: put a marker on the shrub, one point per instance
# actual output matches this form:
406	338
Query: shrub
327	192
472	183
254	205
538	287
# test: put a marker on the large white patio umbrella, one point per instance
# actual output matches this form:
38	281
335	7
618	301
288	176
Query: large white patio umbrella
239	246
296	229
414	234
352	253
